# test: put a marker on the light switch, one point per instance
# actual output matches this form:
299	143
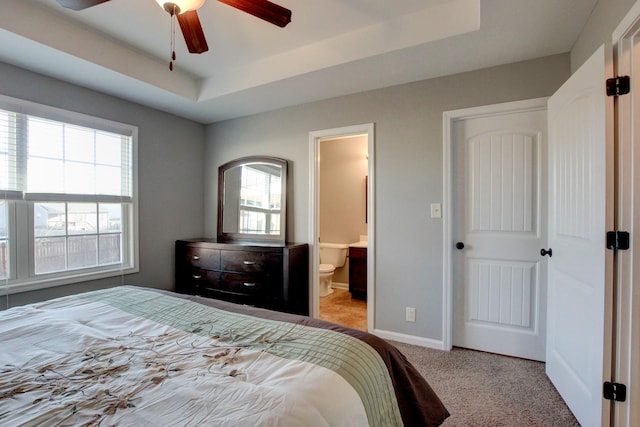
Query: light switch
436	210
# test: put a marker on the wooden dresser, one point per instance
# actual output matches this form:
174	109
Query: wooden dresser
269	275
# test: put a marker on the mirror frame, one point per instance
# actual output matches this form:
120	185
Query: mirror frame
240	237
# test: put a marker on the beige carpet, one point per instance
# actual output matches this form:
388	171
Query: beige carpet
340	308
487	390
479	389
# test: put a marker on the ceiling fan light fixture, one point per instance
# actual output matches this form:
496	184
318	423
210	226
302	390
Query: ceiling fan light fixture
180	6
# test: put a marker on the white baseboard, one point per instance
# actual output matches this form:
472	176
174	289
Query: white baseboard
338	285
409	339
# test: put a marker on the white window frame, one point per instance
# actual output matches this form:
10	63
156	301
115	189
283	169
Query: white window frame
22	277
268	211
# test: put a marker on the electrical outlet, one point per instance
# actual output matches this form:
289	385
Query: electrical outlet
410	315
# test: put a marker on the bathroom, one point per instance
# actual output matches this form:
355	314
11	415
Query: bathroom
343	221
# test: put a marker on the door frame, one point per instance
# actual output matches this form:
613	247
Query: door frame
449	118
627	218
314	212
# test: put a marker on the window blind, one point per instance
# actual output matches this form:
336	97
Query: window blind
49	159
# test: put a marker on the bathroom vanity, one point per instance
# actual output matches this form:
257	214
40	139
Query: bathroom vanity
268	275
358	271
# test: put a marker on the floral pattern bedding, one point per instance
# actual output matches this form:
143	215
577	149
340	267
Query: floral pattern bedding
136	356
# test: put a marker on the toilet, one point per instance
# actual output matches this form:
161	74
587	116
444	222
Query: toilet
332	256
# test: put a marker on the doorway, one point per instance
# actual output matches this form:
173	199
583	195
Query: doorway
363	192
495	226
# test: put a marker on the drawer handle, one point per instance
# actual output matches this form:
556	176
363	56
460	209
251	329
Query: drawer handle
249	263
196	257
249	285
197	276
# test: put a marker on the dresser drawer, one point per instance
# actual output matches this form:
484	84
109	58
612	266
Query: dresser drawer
237	283
199	278
202	257
248	284
250	262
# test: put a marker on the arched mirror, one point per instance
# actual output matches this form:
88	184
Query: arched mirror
252	195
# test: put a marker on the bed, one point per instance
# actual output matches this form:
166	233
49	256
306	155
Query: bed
136	356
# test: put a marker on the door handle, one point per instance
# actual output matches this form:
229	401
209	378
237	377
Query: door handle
460	245
544	252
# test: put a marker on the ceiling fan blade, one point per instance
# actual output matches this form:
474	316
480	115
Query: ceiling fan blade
192	32
263	9
80	4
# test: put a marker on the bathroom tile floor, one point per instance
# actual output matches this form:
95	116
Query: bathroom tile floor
340	308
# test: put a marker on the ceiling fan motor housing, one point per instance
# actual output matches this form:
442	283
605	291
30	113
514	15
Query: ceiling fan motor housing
180	6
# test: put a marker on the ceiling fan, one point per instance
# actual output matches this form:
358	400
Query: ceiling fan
187	15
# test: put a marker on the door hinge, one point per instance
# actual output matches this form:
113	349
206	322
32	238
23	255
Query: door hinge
618	240
614	391
617	86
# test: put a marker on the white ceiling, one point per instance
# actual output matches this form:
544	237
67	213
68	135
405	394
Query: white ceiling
331	48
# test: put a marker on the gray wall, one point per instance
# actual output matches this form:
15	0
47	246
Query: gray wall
603	21
170	171
408	120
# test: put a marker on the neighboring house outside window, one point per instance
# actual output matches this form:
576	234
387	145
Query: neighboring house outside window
68	205
260	201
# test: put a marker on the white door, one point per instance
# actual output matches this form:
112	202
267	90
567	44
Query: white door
580	213
499	289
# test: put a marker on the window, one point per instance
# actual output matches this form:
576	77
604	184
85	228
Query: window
260	192
71	236
67	200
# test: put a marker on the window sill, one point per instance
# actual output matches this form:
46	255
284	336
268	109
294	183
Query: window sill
34	284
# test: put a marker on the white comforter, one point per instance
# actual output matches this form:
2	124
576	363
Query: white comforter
74	361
